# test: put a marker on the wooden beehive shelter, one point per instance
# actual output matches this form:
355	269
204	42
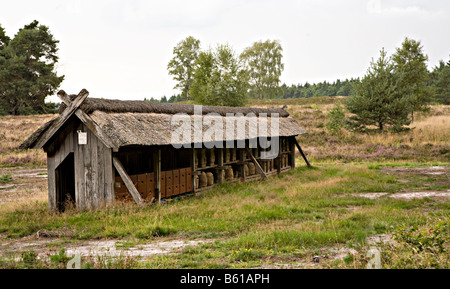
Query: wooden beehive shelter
100	151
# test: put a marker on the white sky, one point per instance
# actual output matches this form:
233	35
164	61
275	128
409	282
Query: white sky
120	49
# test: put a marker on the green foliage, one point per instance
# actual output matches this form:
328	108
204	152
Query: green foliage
247	255
432	239
5	179
27	70
182	65
439	81
219	79
412	74
61	258
424	247
29	259
336	118
378	101
264	64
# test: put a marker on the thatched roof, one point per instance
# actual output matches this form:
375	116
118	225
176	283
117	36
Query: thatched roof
146	123
126	129
138	106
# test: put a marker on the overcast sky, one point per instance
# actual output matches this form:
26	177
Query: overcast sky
120	49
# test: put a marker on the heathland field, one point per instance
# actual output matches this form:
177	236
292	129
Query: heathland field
389	191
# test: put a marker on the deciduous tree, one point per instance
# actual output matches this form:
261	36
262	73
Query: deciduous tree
220	78
264	63
182	66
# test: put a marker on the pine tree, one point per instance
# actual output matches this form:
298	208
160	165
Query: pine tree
377	101
411	69
27	69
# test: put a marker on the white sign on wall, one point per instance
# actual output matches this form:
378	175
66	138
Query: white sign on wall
82	138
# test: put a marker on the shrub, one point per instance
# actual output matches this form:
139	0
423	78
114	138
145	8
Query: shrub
5	179
336	118
424	239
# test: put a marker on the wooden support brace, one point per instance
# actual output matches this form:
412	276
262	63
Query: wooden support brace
302	153
258	167
90	123
126	179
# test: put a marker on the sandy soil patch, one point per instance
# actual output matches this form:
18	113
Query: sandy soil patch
93	248
406	196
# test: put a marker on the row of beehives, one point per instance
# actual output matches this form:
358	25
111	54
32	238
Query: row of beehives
208	157
230	173
207	179
172	183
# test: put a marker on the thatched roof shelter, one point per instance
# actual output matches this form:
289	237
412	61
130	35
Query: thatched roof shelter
146	123
100	150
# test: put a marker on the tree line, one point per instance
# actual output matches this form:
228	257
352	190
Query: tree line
335	88
221	77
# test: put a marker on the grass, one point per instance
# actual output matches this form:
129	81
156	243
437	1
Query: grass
13	131
253	223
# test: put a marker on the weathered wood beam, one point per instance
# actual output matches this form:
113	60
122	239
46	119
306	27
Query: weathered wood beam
90	123
96	130
64	97
127	180
242	164
157	170
219	167
59	122
258	167
292	150
301	152
194	169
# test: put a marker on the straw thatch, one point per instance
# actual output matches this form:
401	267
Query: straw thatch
137	106
145	123
126	129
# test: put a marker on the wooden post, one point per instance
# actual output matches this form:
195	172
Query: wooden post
292	150
220	165
302	153
126	179
242	164
258	167
157	169
194	169
278	159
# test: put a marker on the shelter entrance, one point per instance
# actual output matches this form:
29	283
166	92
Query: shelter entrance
65	183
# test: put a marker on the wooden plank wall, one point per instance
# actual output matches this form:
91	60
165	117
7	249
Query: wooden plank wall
93	172
93	167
